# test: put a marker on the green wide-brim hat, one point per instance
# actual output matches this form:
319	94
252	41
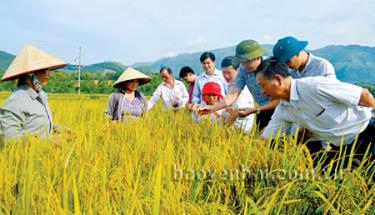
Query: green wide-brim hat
248	50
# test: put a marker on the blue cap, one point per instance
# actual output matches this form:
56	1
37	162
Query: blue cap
287	47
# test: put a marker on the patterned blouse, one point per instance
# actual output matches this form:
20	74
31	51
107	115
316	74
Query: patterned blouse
118	106
133	108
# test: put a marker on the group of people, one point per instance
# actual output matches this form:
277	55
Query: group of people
208	88
294	91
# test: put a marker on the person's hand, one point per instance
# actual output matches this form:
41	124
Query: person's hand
56	139
233	114
189	106
244	112
204	110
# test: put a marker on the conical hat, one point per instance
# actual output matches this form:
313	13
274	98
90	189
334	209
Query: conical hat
31	59
131	74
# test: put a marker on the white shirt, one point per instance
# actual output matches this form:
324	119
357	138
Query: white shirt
315	66
325	106
244	100
203	78
169	95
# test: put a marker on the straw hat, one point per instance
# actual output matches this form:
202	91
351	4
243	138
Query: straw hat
31	59
131	74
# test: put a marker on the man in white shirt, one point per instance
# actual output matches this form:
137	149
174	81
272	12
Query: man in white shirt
172	91
210	74
331	110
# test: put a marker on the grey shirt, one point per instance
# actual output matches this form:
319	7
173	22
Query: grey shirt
315	66
25	111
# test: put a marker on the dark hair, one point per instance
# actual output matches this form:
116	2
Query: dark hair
271	67
228	61
185	71
166	68
22	79
206	55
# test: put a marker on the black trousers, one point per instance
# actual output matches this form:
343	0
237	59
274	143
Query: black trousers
263	118
365	140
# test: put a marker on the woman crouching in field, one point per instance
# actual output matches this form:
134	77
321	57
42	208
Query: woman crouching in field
126	100
26	111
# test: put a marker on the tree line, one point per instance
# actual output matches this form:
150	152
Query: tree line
101	83
91	82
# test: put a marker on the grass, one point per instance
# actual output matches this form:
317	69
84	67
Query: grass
166	164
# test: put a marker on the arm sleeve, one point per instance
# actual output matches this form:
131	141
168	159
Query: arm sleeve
277	125
348	94
225	85
327	70
11	121
185	95
240	81
111	110
196	92
155	97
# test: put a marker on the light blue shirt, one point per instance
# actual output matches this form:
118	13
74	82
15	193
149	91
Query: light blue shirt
248	78
325	106
315	66
25	111
203	78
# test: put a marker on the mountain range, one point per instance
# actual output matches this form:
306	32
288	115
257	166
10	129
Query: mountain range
353	63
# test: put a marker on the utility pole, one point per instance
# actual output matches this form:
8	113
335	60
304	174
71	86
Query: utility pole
79	71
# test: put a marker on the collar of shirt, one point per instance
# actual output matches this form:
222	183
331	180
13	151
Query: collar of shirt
174	84
29	91
293	93
248	72
309	58
230	86
136	93
216	73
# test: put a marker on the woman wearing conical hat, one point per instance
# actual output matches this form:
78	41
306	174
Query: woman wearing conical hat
26	110
126	100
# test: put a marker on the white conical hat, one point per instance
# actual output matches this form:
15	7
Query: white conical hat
31	59
131	74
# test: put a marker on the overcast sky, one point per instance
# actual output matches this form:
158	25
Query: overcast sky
132	31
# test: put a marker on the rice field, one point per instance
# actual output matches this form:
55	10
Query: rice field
166	164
